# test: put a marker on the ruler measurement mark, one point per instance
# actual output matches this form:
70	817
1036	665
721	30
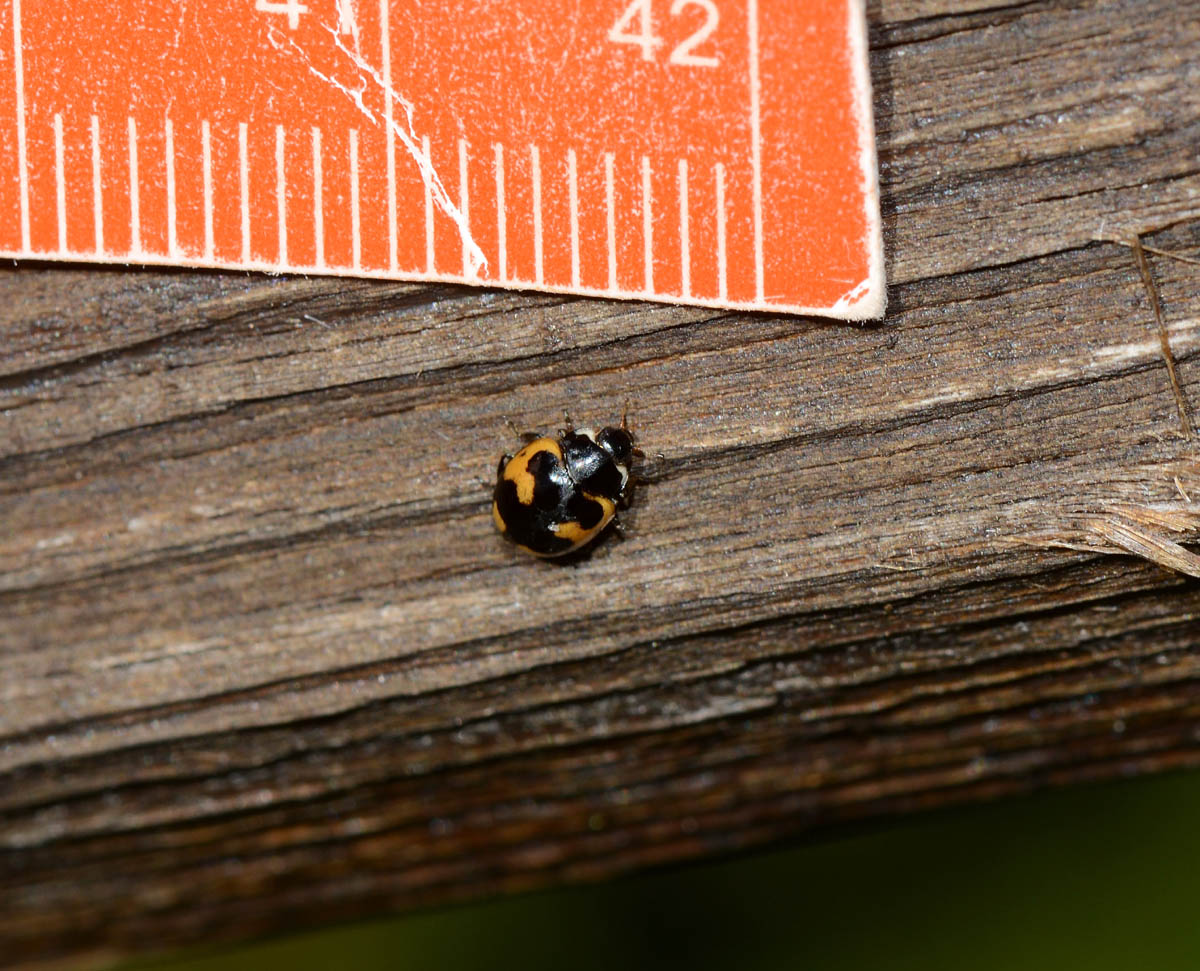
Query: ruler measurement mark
685	245
429	253
60	184
464	204
756	147
389	125
22	156
610	214
535	165
135	215
97	188
172	229
244	186
346	22
318	203
573	206
206	176
647	227
281	190
722	273
501	216
355	213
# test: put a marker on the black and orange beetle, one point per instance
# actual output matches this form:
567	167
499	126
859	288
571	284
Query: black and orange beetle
556	495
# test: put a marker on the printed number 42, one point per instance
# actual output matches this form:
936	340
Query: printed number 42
636	26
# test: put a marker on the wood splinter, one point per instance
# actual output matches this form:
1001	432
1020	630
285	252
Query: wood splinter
1185	418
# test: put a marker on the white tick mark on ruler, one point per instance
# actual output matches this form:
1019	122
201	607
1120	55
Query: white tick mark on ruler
573	206
389	122
429	253
722	284
318	201
347	23
60	184
535	164
501	215
756	148
355	216
206	173
281	191
22	161
97	188
610	213
685	246
647	226
135	215
464	203
244	186
172	229
367	74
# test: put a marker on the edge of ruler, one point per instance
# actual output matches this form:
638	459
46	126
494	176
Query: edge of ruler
873	304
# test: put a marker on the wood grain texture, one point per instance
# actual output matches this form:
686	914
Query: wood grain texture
266	663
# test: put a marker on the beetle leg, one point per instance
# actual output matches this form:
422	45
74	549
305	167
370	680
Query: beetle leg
525	437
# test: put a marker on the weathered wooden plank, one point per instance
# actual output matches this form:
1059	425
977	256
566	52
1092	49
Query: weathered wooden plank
264	657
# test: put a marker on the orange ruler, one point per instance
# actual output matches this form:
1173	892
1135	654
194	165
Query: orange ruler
715	152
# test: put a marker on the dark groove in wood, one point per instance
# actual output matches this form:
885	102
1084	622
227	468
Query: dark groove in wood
780	623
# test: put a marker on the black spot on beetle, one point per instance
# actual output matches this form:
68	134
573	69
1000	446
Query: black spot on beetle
587	512
550	480
528	525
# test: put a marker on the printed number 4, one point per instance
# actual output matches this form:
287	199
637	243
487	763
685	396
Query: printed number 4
293	9
636	26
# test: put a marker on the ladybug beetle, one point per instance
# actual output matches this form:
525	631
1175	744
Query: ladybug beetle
556	495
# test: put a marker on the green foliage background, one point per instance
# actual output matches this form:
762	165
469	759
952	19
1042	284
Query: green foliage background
1095	877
